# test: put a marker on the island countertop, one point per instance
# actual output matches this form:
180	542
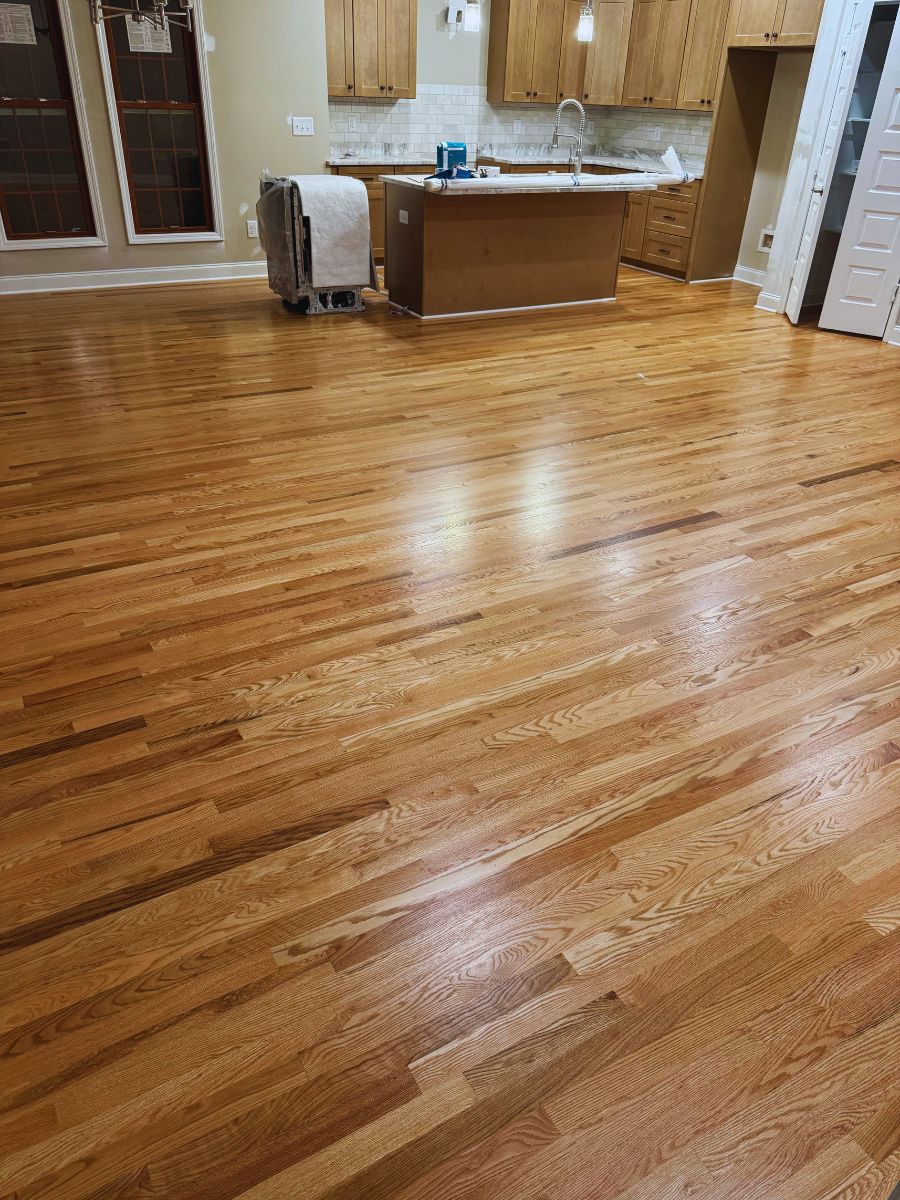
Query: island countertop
544	182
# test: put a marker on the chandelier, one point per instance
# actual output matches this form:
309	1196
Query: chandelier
154	12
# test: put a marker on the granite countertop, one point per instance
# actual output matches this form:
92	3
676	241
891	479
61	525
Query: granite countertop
642	162
587	183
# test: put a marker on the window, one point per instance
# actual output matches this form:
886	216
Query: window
44	190
158	100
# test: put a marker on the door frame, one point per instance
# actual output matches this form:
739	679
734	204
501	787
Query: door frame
827	59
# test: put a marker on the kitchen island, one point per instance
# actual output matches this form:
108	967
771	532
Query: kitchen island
506	243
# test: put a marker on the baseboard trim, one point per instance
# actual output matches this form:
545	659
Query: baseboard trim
749	275
498	312
80	281
768	302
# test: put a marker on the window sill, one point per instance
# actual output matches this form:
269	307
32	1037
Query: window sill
50	243
158	239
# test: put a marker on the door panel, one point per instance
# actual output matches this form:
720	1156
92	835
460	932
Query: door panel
797	22
753	22
641	52
703	47
867	266
368	48
669	55
339	46
573	55
400	48
548	26
604	76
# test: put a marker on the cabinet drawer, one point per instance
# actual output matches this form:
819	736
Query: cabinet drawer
666	250
685	193
670	216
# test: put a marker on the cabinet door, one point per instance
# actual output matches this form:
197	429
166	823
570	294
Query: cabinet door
573	55
548	25
753	22
400	48
641	52
673	23
635	220
339	46
604	74
519	51
797	22
699	70
368	48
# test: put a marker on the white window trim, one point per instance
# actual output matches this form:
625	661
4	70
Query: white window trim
87	154
149	239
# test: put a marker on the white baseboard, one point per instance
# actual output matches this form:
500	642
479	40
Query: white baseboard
769	302
131	277
749	275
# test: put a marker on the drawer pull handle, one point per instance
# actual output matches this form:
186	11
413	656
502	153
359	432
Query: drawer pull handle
668	217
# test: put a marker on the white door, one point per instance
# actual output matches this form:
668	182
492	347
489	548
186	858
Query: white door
867	266
840	87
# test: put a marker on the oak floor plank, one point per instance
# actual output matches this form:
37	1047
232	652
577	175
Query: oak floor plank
447	761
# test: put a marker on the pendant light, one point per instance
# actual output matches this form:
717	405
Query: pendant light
585	31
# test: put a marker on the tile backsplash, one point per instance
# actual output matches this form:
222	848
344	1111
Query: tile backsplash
462	113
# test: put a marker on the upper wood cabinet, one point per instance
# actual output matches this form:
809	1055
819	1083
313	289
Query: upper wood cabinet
655	53
702	55
525	51
607	56
339	46
774	22
573	55
371	48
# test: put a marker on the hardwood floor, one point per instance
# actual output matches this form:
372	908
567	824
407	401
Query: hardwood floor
450	762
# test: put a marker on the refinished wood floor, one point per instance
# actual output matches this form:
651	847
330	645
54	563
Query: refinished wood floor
451	762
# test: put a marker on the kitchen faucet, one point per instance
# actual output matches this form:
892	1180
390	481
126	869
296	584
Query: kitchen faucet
576	155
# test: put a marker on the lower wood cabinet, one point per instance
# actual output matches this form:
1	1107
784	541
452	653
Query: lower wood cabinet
371	177
659	226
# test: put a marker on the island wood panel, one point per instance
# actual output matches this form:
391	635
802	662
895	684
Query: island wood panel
479	253
450	760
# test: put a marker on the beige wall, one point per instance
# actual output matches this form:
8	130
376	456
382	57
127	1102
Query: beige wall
460	59
788	86
268	62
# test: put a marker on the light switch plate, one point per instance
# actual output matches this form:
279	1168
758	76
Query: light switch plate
252	229
404	217
303	126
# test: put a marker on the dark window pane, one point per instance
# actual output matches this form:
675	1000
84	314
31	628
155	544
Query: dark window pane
28	122
154	78
142	173
37	164
137	129
19	216
184	127
160	129
165	168
130	79
55	129
189	174
171	209
71	206
47	212
148	209
27	72
194	210
64	168
177	86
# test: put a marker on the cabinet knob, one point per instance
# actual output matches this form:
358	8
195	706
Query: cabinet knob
767	36
350	86
391	88
774	37
585	95
381	86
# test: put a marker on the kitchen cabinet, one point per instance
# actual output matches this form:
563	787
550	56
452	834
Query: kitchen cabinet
655	53
339	46
774	22
573	54
659	227
371	48
700	68
525	50
635	222
607	54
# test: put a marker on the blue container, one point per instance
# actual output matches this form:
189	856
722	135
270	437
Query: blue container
450	154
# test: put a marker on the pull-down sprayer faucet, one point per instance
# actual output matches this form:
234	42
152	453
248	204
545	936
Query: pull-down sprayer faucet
575	155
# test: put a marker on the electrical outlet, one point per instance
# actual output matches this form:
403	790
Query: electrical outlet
517	126
766	237
353	124
252	229
302	126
